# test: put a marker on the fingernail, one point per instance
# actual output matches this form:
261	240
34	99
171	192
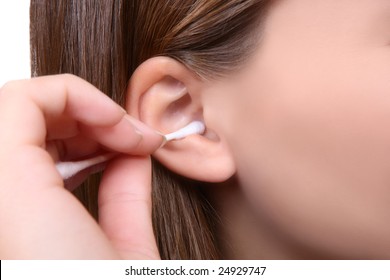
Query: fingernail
142	128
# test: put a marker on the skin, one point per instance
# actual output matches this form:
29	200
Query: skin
307	122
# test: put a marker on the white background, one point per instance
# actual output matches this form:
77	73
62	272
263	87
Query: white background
14	40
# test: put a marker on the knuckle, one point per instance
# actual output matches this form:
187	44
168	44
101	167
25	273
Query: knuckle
58	84
9	88
68	77
62	84
12	89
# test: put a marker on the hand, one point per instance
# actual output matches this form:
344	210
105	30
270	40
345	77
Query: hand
46	119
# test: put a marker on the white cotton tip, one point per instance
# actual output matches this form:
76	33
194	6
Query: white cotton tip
71	168
195	127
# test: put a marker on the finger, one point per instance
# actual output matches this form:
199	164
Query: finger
113	137
125	211
24	103
51	97
96	139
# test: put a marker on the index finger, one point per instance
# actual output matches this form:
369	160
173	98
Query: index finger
26	105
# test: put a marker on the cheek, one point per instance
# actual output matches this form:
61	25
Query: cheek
314	156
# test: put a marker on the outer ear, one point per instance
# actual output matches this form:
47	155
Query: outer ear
167	96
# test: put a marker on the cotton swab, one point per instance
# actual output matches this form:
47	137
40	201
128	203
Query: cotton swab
71	168
68	169
195	127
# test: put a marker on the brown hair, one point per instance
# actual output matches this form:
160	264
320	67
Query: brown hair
105	41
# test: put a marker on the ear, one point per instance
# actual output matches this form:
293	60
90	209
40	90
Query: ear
167	96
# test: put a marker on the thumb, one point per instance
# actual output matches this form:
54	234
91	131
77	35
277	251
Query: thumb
125	207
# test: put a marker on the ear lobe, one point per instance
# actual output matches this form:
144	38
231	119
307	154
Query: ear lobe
166	95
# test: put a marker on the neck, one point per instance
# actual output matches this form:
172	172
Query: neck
244	234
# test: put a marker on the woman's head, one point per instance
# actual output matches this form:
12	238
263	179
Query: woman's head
293	95
308	125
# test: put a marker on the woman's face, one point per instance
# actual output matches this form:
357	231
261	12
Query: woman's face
308	123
